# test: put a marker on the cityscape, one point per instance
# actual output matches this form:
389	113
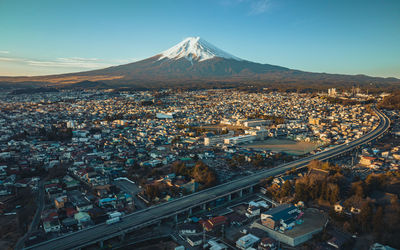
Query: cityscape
194	147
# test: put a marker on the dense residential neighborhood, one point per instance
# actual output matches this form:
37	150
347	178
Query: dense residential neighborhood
70	160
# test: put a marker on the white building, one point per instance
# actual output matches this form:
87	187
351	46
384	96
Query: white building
165	115
240	139
71	124
255	123
214	140
332	92
247	241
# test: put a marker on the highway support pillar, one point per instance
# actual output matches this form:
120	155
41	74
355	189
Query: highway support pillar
229	197
176	218
251	189
190	211
101	244
241	193
204	206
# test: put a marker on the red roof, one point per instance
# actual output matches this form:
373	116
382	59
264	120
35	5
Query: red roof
369	158
50	217
217	220
70	211
51	185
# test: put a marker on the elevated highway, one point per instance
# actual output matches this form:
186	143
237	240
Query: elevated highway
155	214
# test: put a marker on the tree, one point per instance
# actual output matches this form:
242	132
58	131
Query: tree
347	226
358	188
333	193
375	182
301	191
152	191
203	174
180	168
377	221
365	216
286	189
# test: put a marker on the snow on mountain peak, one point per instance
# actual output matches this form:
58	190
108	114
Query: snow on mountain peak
195	49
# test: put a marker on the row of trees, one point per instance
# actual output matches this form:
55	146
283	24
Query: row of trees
201	173
258	160
391	102
381	221
311	187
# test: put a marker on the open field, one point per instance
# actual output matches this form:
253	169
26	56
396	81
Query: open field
283	145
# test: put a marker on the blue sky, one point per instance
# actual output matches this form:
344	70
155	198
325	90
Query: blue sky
57	36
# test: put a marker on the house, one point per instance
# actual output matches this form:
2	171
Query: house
285	215
247	241
80	202
60	201
377	246
49	215
367	160
82	217
190	228
318	174
236	218
339	208
252	211
70	211
338	239
335	242
355	210
51	226
107	201
282	179
214	223
267	243
216	246
194	240
69	222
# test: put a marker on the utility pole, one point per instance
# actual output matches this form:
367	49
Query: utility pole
204	238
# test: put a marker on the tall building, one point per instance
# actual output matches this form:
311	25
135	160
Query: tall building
332	92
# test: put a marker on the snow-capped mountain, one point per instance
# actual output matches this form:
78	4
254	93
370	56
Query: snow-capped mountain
195	62
195	49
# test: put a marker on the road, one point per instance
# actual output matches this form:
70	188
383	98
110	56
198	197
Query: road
165	210
132	189
36	217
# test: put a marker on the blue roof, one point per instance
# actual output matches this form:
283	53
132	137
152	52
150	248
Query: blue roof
107	200
282	212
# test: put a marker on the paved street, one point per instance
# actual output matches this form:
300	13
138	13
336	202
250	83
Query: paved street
36	219
132	189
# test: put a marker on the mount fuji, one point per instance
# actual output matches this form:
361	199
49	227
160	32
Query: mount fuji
195	49
195	62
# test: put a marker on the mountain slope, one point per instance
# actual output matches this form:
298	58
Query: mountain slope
195	49
195	61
